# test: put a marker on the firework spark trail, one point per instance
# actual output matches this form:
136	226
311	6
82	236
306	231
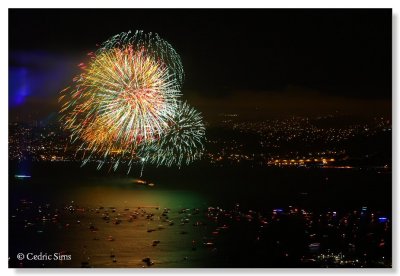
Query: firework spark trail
159	49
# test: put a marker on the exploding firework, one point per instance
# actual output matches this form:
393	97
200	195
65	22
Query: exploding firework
125	96
181	144
158	48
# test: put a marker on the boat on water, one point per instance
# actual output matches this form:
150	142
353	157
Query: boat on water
22	176
143	182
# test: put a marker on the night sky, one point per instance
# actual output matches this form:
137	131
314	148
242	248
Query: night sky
256	62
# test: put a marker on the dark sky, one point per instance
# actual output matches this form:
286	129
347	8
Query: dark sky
276	61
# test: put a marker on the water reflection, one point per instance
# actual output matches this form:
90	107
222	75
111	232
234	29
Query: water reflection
112	225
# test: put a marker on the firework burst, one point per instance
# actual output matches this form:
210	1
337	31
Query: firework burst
125	102
181	144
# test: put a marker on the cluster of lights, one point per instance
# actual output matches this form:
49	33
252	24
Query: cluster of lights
323	161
